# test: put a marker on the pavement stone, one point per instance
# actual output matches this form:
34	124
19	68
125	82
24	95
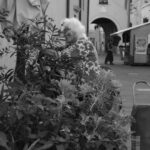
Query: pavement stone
128	75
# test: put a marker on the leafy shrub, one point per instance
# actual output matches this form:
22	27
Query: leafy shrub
42	110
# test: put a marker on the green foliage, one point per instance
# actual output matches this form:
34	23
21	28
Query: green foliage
42	110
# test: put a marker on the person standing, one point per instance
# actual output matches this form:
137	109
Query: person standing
109	50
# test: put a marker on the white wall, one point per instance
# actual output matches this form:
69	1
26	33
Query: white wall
84	14
139	10
115	11
57	10
73	3
135	17
145	12
7	60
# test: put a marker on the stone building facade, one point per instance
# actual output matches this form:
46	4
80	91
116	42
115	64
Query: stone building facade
111	15
139	12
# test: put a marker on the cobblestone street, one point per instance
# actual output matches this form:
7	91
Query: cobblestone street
128	75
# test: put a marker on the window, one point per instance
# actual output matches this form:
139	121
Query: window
103	1
145	19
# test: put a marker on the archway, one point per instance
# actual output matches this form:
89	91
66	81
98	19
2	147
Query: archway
108	26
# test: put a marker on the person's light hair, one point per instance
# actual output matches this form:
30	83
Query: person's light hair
74	25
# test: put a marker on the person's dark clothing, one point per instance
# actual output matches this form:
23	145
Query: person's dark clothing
109	57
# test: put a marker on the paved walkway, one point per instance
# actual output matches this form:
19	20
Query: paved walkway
117	59
128	75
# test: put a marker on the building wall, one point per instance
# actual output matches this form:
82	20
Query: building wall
140	9
58	10
116	10
22	10
74	6
85	14
145	12
135	12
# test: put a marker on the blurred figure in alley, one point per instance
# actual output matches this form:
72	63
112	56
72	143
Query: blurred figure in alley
121	51
109	50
